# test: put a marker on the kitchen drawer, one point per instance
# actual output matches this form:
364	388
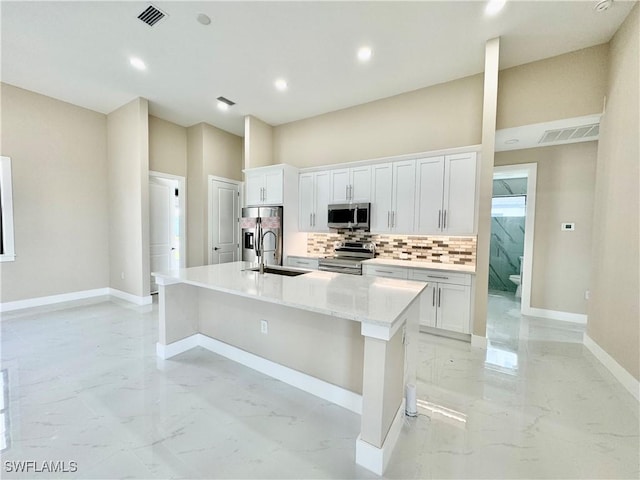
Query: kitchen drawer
385	271
303	262
440	276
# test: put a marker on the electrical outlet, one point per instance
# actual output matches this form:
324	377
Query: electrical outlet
568	227
264	326
122	275
586	294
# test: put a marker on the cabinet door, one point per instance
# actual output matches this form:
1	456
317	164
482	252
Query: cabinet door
453	307
429	190
340	185
306	202
274	185
361	184
253	186
428	305
322	191
459	193
381	197
404	181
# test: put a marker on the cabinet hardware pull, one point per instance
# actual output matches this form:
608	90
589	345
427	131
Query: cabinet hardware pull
314	219
439	217
383	271
438	276
311	219
433	299
439	295
444	220
388	219
393	219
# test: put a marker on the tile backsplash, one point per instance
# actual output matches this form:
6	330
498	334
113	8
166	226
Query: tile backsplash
421	248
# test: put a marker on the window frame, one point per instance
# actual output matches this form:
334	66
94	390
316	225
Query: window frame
6	207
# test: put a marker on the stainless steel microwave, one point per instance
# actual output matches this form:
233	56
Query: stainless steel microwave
350	215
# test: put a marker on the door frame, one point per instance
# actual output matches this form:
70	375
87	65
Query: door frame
182	201
239	184
530	170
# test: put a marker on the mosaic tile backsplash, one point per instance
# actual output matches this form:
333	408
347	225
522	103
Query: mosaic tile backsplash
435	249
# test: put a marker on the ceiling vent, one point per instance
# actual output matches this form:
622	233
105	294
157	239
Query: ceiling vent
151	15
569	134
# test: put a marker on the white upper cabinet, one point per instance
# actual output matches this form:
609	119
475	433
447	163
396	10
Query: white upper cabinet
314	201
393	197
459	200
445	194
351	184
265	186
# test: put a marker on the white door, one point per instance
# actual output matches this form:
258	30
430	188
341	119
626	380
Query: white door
163	227
254	186
459	194
381	197
322	190
274	186
428	305
224	222
429	184
361	184
306	207
453	307
404	197
340	185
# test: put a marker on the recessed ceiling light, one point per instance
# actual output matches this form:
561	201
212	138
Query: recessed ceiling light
511	141
494	6
204	19
137	63
364	54
281	84
224	103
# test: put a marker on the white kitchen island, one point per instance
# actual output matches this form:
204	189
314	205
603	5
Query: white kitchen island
348	339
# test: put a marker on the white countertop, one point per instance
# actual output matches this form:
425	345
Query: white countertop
366	299
451	267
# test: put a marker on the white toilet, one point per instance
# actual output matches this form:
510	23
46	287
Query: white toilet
517	280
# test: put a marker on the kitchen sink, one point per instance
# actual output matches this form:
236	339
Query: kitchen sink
287	272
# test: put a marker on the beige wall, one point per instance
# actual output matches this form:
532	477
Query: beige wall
614	314
564	193
59	163
167	147
566	86
128	167
210	151
442	116
258	143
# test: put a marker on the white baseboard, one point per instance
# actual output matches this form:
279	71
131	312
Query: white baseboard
479	342
138	300
52	299
376	459
555	315
338	395
69	297
627	380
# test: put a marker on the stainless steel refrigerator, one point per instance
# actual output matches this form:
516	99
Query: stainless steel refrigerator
262	230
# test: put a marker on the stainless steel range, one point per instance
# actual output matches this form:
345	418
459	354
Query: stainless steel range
348	258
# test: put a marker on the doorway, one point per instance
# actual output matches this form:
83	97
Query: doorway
167	233
224	220
511	252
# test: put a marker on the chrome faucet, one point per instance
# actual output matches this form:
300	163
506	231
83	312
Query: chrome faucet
262	251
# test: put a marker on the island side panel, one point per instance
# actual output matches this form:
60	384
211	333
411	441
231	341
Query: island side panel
178	305
325	347
383	386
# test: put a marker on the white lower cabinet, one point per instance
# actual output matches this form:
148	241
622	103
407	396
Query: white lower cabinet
446	302
302	262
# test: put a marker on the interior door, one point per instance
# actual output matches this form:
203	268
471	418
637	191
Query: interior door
161	225
224	222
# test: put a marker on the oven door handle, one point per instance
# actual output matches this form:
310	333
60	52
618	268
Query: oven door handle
338	269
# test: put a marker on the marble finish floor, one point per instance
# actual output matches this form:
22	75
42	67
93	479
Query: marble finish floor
83	385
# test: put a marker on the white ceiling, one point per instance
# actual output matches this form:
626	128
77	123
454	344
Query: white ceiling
79	51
